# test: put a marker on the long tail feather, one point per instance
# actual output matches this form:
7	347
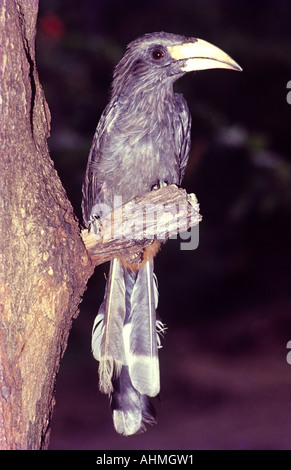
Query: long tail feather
125	341
125	404
131	410
107	342
143	359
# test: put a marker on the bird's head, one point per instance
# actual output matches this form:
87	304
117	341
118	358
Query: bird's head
161	58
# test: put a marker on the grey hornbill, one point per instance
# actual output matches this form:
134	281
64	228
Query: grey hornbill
142	141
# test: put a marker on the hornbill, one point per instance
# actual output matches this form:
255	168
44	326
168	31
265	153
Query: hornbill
142	141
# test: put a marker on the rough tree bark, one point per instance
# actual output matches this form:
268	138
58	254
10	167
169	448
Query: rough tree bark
44	265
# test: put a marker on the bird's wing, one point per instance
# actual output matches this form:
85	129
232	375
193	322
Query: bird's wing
92	187
182	126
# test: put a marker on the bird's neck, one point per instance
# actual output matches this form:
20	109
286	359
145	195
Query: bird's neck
154	100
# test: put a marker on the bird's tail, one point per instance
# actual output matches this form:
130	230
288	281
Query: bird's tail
125	342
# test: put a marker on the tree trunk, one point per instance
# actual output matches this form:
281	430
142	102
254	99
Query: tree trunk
44	265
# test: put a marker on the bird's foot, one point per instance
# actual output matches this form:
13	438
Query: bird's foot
95	223
160	184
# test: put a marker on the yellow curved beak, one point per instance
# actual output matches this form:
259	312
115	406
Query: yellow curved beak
201	55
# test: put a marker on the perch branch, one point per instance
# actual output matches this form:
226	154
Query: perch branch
129	228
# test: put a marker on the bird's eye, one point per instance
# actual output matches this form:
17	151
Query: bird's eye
158	54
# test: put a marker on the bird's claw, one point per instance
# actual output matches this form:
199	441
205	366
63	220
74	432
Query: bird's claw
160	184
94	223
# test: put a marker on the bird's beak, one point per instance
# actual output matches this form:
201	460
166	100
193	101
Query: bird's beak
201	55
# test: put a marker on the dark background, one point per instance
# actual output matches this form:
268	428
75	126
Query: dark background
226	383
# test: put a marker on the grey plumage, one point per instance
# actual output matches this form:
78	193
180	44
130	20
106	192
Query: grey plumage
136	134
141	141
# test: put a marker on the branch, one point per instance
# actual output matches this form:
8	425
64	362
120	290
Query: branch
128	229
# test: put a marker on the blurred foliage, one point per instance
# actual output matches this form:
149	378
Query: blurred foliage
240	164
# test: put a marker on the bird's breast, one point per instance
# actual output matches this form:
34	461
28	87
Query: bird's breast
138	152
